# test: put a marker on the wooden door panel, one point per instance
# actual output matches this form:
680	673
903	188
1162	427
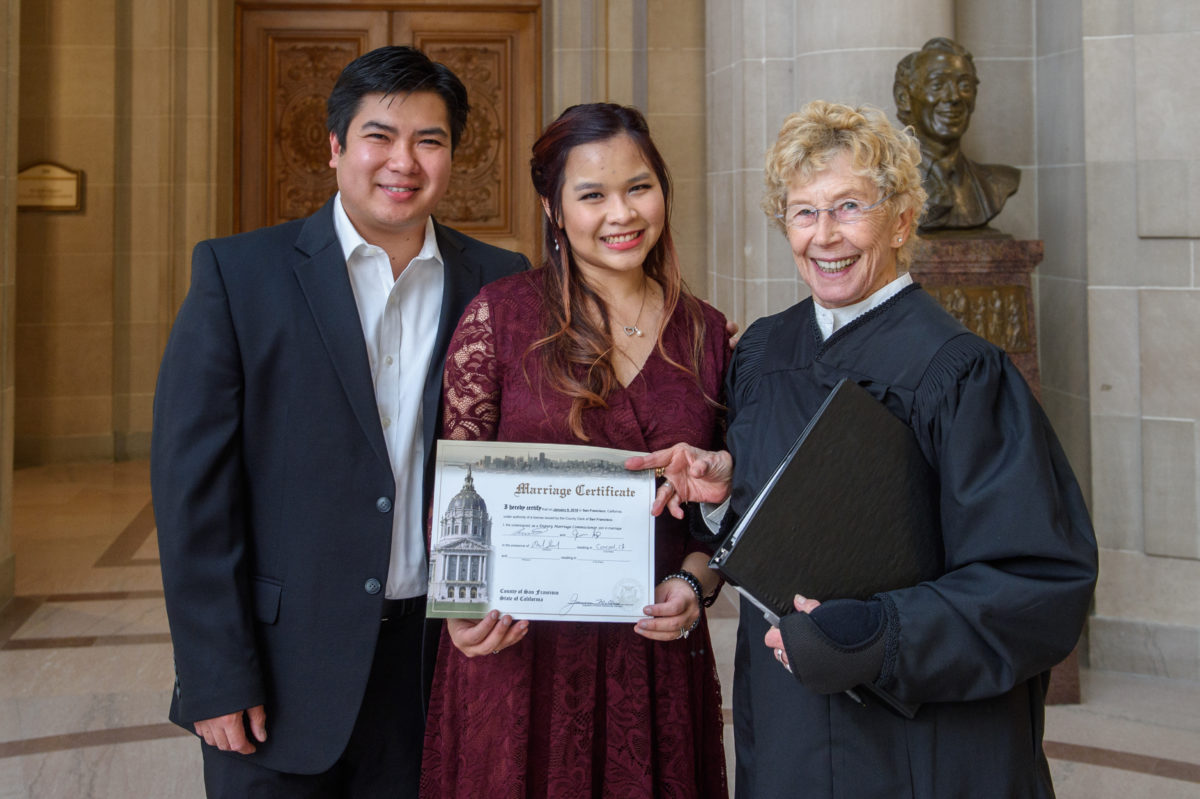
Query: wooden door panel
490	195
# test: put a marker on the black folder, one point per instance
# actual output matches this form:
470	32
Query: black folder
850	512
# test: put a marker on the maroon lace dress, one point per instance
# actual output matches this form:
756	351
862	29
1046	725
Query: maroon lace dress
577	709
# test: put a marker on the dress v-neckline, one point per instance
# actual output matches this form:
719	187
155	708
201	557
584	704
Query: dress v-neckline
641	368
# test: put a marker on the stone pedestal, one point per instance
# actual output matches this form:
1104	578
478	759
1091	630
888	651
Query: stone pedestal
984	283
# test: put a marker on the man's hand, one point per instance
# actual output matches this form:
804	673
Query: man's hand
228	732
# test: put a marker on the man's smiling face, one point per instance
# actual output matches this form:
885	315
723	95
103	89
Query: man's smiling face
395	166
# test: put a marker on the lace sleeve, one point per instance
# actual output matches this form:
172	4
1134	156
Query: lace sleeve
471	385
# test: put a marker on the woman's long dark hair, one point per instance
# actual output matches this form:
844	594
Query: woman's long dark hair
577	352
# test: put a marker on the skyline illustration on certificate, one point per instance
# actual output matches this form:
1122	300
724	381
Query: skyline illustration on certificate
540	531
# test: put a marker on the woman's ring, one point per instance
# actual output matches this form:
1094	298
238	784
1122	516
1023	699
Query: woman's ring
682	634
659	471
497	651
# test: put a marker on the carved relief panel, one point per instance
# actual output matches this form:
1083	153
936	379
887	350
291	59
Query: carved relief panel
985	285
996	313
481	164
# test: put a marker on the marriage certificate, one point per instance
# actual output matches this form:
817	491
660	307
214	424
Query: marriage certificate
540	531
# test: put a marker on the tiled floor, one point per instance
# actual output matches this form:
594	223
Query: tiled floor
85	667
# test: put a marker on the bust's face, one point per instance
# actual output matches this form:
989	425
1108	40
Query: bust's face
943	98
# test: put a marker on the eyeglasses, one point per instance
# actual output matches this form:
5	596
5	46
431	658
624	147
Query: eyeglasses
847	212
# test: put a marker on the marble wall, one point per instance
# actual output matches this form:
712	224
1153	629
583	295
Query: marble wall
65	260
1142	105
139	97
1059	217
10	43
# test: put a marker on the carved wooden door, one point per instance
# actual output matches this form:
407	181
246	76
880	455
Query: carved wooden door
289	60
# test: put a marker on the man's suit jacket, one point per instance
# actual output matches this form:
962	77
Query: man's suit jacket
272	488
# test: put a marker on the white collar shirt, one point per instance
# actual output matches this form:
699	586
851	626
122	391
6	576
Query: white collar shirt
399	323
830	320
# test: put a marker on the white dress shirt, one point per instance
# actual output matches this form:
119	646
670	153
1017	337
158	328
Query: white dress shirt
399	323
830	320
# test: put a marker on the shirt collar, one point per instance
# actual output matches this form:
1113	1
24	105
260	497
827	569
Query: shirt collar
829	320
352	242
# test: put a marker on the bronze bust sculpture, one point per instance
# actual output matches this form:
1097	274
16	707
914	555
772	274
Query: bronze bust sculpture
934	91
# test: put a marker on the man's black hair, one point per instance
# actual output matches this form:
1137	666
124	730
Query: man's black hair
394	70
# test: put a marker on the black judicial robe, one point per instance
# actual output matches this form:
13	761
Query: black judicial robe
973	647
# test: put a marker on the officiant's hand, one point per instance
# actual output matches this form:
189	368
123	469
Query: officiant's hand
774	638
487	636
692	475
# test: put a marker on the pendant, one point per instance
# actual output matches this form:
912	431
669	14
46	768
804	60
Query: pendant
631	330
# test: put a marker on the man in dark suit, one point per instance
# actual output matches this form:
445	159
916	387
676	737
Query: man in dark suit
294	424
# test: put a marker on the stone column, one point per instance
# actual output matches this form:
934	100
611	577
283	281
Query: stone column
10	51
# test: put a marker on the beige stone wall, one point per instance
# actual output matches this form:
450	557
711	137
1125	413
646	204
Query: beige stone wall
1060	220
10	14
675	111
65	324
1142	161
139	97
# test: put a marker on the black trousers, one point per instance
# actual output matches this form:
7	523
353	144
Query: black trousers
383	756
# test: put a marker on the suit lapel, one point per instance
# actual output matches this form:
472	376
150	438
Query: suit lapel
326	286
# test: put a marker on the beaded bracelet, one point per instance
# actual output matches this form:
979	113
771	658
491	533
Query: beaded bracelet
694	582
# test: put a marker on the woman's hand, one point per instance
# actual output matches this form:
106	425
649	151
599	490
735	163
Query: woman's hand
774	638
693	475
674	614
488	635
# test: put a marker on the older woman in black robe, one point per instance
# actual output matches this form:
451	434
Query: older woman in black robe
972	648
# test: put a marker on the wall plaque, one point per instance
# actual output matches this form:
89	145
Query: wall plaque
49	187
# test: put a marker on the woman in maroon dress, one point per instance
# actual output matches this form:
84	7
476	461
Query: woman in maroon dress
602	345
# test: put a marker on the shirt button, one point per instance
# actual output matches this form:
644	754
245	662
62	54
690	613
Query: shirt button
388	360
387	422
372	586
383	504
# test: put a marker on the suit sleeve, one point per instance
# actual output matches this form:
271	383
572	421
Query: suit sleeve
1020	553
198	485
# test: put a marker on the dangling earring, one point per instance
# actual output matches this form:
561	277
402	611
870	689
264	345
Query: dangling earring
556	245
